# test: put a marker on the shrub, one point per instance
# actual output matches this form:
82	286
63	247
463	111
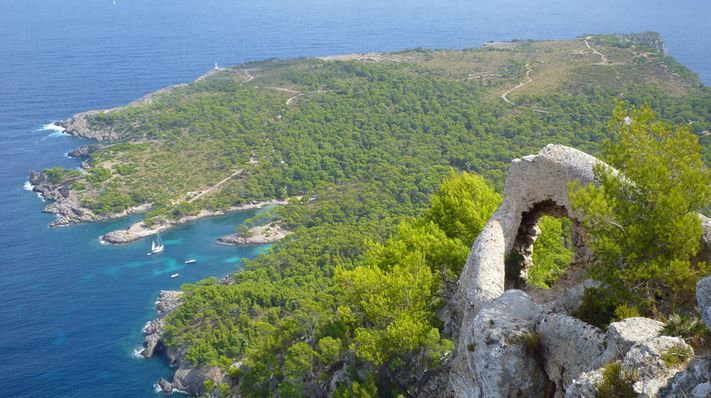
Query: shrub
98	175
615	383
690	328
625	311
677	356
597	308
644	228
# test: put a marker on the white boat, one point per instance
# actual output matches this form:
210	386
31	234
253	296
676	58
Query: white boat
157	245
190	261
175	275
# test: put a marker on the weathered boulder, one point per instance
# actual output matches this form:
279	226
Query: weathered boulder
703	299
694	381
500	359
624	334
570	347
584	386
165	386
571	299
192	380
650	363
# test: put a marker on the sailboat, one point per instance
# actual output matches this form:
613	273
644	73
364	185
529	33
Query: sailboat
156	245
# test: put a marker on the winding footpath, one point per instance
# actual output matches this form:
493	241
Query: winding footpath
603	58
518	86
249	77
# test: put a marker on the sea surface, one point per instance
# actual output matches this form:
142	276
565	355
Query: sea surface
71	309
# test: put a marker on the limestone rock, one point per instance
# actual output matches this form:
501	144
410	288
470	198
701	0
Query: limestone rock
703	299
168	300
165	386
79	126
571	299
570	347
584	385
647	362
572	352
624	334
694	381
497	361
191	380
153	332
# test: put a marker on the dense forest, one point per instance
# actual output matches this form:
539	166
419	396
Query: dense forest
398	159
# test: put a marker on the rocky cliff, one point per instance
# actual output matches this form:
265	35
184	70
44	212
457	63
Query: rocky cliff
187	378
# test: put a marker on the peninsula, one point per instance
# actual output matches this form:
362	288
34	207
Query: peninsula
386	166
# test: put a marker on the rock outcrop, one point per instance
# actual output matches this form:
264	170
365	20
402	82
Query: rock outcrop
259	235
703	299
79	126
187	377
565	356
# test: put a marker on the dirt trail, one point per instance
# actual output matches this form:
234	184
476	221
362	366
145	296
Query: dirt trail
205	192
249	77
523	83
603	58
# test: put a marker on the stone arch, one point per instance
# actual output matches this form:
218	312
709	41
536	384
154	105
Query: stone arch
536	185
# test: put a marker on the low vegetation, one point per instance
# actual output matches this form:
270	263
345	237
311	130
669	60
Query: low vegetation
644	227
615	383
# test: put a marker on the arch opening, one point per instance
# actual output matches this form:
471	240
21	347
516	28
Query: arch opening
520	261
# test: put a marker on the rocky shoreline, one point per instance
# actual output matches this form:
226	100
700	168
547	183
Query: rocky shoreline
66	205
187	378
259	235
141	230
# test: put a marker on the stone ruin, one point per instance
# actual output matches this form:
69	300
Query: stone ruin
491	359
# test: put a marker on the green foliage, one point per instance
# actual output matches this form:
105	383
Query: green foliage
677	355
551	252
688	327
367	153
125	169
298	360
330	349
615	383
364	389
98	175
644	227
530	342
598	307
625	311
243	230
59	175
462	205
394	304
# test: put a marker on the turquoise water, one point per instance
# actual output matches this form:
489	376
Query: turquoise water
71	310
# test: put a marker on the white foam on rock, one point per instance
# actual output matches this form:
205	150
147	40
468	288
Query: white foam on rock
56	130
137	352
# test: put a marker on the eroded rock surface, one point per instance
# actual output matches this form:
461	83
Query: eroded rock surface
187	377
570	355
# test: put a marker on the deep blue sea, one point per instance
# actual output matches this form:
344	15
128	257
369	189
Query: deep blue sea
71	310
